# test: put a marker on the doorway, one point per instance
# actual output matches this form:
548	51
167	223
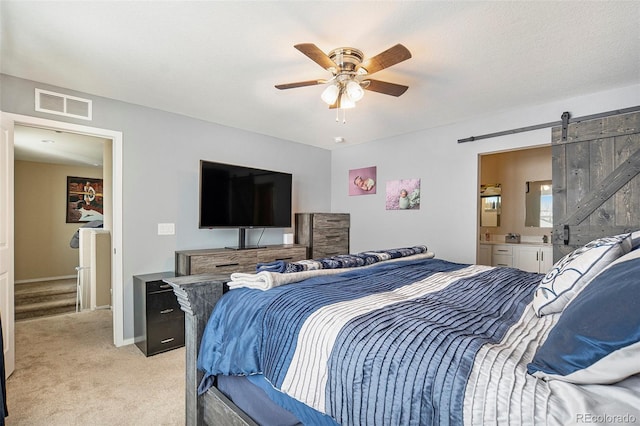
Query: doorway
49	166
512	172
112	172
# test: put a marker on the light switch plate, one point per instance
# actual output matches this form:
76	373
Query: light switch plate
166	229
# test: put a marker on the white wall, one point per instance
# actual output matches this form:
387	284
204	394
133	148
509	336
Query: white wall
161	153
447	219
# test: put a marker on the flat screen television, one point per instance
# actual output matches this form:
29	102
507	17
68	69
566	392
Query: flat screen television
233	196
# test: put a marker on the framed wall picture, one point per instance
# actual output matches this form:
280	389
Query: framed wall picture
362	181
84	199
403	194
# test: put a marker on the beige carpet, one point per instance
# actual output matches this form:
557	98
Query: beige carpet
68	372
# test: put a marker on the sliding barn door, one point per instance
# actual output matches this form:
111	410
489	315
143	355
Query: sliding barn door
596	180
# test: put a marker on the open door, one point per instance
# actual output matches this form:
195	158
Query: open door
596	180
6	246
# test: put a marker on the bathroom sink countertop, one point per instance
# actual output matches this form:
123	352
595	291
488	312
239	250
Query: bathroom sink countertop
521	243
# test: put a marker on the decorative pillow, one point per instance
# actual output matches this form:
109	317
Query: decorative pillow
597	338
570	274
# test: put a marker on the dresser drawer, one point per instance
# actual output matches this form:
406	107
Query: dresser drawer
156	286
322	251
330	220
227	262
165	335
328	236
502	250
163	306
289	254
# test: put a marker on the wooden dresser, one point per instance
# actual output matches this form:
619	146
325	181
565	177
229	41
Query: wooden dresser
326	234
227	261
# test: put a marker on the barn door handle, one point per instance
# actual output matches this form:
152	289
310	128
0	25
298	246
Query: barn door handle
566	235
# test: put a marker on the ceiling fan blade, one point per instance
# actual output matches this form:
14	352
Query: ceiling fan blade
316	55
389	57
387	88
300	84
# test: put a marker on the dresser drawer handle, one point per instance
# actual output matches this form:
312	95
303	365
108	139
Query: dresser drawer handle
166	311
167	340
226	264
165	286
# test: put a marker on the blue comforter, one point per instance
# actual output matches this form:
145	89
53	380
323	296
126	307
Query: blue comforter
393	343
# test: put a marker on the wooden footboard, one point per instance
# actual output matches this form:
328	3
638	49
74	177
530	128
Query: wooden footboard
197	295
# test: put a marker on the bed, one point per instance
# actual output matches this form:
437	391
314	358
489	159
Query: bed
412	339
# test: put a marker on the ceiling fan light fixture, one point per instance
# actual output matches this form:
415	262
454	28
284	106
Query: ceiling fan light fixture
354	91
345	102
330	94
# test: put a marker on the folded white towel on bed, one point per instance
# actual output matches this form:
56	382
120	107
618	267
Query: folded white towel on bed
265	280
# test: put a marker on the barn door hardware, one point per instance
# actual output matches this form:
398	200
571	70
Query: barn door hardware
566	235
565	125
563	122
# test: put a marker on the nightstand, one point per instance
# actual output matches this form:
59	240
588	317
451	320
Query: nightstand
158	319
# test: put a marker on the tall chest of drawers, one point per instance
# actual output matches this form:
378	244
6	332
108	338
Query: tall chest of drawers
326	234
158	320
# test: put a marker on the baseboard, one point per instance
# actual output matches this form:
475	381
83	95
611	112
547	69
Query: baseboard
36	280
127	342
104	307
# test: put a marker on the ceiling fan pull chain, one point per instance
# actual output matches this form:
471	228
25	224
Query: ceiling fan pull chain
344	116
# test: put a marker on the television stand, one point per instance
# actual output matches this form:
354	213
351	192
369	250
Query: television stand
244	247
242	242
225	261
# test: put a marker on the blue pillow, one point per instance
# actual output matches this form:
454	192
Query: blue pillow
597	338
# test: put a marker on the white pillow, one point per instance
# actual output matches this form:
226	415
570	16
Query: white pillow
635	240
571	273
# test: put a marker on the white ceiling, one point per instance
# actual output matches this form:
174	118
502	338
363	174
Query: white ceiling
219	60
56	147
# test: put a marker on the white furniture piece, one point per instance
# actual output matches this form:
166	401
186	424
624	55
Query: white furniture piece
94	270
534	258
528	257
502	255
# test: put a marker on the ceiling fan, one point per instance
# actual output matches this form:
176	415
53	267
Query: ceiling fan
350	73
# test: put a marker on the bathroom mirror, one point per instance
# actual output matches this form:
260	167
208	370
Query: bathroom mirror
539	204
490	204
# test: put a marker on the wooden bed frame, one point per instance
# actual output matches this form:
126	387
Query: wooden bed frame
197	295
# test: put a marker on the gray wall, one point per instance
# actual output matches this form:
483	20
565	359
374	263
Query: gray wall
161	153
447	219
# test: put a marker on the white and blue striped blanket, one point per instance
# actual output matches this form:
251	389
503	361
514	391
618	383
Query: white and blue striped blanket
394	343
340	261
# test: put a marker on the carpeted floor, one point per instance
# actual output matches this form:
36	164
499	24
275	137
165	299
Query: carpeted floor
68	372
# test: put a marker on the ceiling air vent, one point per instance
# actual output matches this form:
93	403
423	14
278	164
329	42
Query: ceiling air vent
59	104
